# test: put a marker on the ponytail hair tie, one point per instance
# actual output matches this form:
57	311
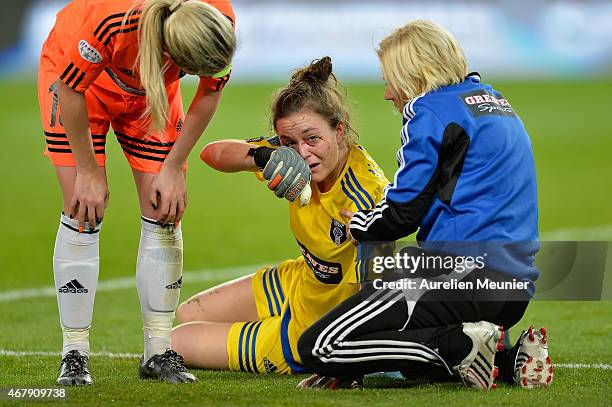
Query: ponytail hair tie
223	72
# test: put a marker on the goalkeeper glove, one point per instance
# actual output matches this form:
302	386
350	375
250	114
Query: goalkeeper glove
288	173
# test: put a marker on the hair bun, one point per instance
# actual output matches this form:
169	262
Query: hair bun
314	88
318	71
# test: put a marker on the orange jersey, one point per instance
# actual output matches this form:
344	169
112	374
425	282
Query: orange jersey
89	37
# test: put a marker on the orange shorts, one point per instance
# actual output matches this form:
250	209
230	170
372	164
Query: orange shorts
109	106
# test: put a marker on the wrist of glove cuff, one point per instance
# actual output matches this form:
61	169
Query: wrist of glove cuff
261	155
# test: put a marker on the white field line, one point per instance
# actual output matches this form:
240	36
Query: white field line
206	275
602	366
105	354
603	232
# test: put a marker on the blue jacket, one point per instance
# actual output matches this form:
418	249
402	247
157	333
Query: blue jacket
466	174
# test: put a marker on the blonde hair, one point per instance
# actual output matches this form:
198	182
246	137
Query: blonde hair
419	58
315	88
198	38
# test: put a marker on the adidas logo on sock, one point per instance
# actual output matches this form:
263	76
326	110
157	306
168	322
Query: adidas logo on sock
176	285
73	287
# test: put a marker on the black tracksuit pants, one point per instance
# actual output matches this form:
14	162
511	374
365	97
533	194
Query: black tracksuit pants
387	330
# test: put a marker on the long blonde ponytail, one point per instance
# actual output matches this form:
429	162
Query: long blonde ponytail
198	38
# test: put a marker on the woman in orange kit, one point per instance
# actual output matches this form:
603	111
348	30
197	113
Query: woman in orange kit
118	63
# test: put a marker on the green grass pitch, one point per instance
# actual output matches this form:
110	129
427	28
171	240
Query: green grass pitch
232	221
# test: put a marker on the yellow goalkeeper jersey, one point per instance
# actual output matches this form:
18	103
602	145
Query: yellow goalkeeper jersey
331	270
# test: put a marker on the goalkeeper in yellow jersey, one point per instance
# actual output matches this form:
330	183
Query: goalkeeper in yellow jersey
252	324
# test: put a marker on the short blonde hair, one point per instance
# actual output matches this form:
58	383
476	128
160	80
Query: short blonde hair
198	37
419	58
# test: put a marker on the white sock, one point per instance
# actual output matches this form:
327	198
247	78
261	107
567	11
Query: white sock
76	264
158	279
75	339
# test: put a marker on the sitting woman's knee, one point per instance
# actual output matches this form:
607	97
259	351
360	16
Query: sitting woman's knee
184	312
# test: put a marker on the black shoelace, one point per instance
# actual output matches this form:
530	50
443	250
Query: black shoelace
75	362
173	360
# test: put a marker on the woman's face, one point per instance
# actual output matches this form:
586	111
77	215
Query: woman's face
398	101
321	146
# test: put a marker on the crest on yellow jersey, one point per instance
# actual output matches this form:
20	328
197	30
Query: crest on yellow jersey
337	232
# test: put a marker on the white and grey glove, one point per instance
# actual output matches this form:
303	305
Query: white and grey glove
288	173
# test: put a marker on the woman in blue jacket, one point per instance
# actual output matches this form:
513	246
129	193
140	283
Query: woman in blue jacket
466	181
